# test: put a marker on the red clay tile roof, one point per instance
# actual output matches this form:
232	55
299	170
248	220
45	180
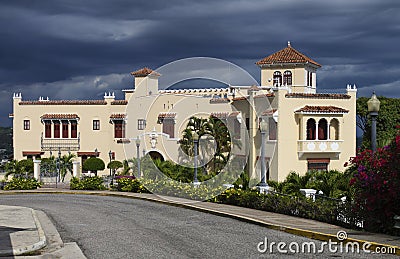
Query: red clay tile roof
117	116
254	88
269	112
220	115
234	114
240	98
59	116
321	109
32	153
318	96
90	153
219	100
285	56
144	72
119	102
64	102
265	95
163	115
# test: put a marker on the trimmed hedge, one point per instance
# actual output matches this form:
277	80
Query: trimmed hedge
87	183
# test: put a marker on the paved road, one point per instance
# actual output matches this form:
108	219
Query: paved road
115	227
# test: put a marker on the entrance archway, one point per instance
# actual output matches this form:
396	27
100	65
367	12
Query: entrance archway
156	155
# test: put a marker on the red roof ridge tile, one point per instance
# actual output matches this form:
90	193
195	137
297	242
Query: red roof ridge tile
143	72
321	109
287	55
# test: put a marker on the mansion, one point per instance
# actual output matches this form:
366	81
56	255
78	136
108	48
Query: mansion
306	130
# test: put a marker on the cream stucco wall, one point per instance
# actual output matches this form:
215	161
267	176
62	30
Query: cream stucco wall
144	101
103	140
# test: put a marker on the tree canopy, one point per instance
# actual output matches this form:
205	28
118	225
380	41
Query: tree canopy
388	119
93	164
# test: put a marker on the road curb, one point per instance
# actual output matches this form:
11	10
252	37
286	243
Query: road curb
31	248
295	231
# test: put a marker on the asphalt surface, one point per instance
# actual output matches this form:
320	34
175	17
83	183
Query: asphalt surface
115	227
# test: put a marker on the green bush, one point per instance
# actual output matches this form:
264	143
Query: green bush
93	164
325	210
21	183
131	185
87	183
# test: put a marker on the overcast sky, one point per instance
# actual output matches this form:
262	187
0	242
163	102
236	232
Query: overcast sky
74	49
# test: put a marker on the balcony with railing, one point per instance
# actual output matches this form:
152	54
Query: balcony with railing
319	146
65	144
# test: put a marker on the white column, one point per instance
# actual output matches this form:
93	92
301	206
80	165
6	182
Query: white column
75	169
328	130
36	169
314	80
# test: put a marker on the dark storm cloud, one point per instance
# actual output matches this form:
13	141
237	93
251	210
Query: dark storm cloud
54	48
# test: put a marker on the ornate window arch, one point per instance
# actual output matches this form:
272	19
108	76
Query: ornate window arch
322	129
277	78
287	77
334	129
311	129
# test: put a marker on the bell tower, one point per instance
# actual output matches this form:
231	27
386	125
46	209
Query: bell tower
291	69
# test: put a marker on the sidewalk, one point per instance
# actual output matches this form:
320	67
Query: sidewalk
297	226
20	231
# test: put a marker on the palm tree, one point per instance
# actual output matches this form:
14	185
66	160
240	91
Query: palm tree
66	165
294	182
11	168
126	166
114	166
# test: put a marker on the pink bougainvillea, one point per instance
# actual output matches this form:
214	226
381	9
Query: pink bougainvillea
376	180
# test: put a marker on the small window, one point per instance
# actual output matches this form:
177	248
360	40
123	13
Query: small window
27	124
287	78
47	129
119	129
65	129
141	124
317	166
74	129
277	78
56	129
169	127
272	128
96	124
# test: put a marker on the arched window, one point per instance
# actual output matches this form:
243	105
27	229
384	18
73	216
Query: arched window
277	78
287	78
310	129
334	129
322	129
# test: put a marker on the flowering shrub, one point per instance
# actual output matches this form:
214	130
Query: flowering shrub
87	183
376	181
22	183
130	184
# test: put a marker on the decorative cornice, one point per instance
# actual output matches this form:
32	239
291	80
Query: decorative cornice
64	102
318	96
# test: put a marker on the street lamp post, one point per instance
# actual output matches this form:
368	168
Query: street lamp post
111	175
263	129
196	143
373	109
138	155
59	165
